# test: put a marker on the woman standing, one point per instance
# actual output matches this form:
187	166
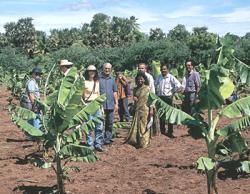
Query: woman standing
139	135
91	92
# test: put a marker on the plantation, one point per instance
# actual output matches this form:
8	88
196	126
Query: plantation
211	151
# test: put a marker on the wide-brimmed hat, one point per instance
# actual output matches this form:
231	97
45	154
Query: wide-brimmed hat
36	70
91	68
65	62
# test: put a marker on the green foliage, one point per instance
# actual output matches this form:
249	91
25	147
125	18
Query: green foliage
63	118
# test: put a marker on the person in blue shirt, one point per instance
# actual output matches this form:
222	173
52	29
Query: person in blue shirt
33	92
108	87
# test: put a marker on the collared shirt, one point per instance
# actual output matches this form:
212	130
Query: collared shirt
166	86
191	82
91	92
32	87
151	82
108	87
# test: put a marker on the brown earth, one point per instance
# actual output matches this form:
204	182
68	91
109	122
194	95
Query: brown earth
167	166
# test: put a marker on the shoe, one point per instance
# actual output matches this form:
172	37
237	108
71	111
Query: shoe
100	149
107	142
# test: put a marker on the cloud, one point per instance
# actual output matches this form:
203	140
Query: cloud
82	4
236	16
192	11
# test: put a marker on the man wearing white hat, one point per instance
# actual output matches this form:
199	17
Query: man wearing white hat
65	66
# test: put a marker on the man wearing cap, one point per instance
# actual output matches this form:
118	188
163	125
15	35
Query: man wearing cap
33	92
108	87
65	66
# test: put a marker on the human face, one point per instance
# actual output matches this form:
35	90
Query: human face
119	75
142	68
36	76
164	71
91	74
140	81
189	66
107	70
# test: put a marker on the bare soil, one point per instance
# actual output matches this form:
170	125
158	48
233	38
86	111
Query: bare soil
168	166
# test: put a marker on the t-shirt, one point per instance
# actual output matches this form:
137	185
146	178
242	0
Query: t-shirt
191	82
89	93
32	87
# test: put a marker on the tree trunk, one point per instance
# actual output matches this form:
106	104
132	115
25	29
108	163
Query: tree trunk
211	182
59	174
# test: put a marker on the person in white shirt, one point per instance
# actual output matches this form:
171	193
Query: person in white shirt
65	66
142	67
166	86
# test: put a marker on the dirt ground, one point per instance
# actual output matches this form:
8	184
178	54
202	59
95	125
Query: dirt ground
168	166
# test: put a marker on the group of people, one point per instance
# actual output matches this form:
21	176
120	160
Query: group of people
117	91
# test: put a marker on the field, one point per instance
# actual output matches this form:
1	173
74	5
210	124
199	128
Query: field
167	166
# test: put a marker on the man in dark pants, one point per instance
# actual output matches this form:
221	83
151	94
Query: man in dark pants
108	87
166	85
191	84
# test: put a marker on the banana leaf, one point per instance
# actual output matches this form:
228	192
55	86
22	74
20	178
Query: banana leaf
67	88
235	126
218	88
27	127
24	113
172	115
77	151
238	108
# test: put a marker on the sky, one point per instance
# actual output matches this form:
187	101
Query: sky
220	16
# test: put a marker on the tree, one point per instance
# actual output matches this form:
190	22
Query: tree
100	31
203	45
180	33
21	34
156	34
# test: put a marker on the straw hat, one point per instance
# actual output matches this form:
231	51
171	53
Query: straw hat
65	62
91	68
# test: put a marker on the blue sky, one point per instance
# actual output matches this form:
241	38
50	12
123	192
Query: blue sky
220	16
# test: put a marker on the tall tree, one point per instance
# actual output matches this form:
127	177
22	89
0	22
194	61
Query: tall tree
21	34
179	32
203	45
156	34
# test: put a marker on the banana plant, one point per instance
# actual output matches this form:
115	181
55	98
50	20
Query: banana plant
64	119
224	143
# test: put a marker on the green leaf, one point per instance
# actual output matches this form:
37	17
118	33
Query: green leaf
121	125
172	115
67	88
238	108
205	164
245	167
235	143
90	109
73	150
27	127
244	72
235	126
24	113
218	88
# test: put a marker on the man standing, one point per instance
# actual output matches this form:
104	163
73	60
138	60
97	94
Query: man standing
65	66
166	85
122	95
108	87
33	92
191	84
142	67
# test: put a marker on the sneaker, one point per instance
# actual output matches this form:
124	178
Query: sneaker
100	149
107	142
